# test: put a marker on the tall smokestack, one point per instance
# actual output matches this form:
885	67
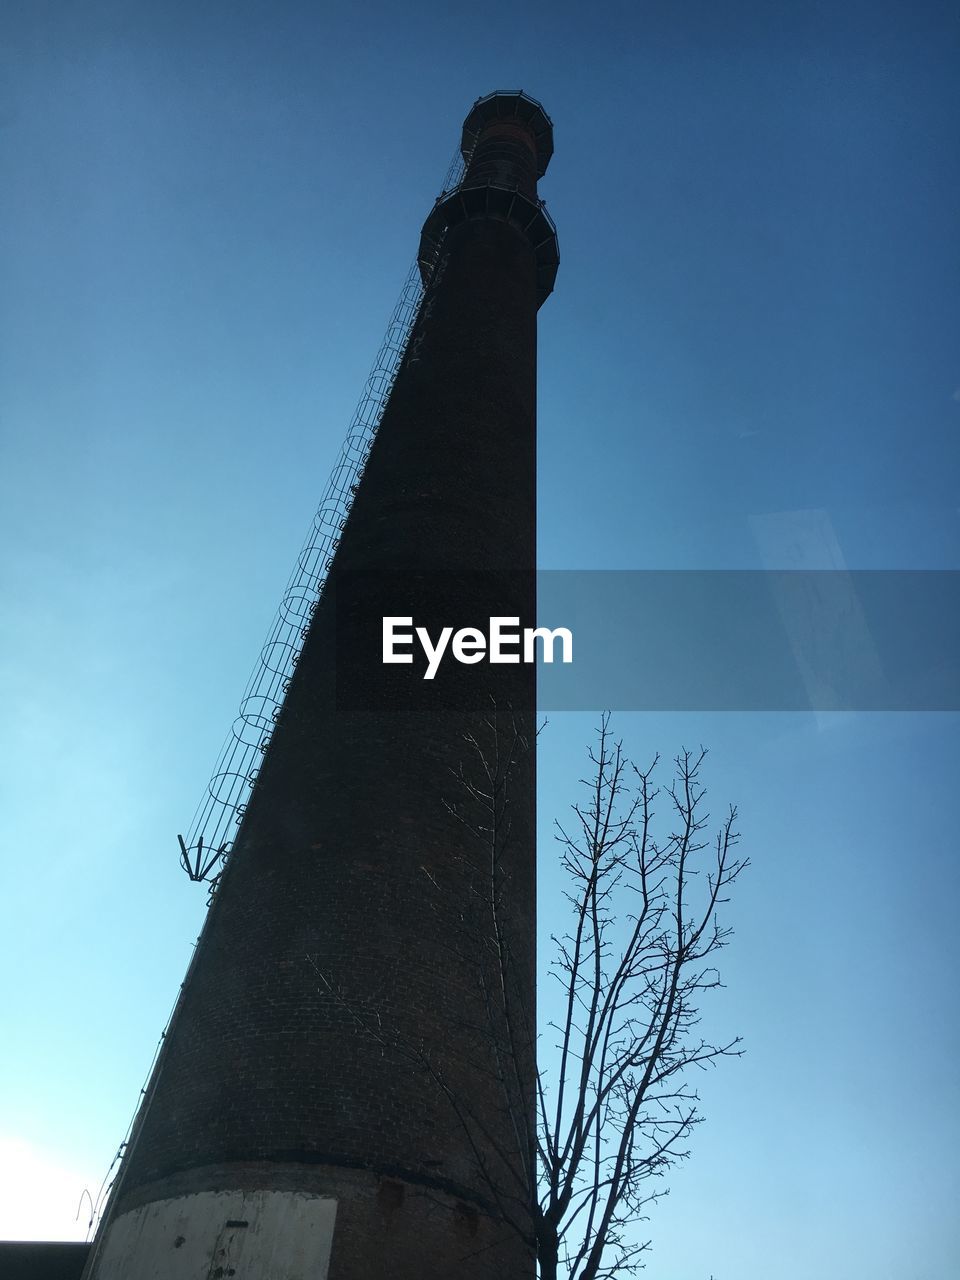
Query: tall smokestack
302	1120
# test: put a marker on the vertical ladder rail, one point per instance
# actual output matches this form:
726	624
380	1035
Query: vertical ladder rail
205	849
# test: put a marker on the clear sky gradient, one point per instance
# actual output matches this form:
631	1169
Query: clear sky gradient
750	360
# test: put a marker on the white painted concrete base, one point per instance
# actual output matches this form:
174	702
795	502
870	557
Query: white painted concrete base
212	1235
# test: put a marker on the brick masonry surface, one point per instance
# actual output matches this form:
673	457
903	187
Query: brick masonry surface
349	872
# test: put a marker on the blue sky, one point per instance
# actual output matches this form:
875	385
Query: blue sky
208	214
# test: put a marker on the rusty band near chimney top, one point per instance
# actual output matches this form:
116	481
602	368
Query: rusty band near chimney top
524	113
507	145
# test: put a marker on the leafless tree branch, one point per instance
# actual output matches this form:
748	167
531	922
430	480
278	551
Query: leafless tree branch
593	1131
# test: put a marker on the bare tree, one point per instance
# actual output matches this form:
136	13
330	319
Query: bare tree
613	1103
619	1107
